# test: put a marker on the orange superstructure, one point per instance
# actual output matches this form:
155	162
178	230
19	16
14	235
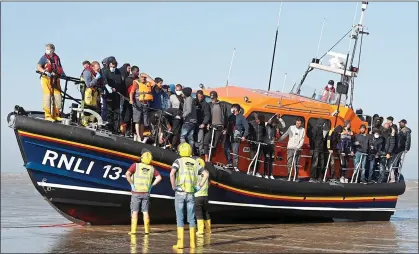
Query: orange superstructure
289	106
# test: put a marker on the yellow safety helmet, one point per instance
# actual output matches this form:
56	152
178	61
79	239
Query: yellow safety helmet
146	158
185	150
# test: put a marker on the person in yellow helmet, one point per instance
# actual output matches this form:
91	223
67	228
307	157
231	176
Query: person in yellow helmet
141	184
184	180
201	204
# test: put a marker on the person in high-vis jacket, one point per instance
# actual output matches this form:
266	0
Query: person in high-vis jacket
201	204
184	180
50	67
140	177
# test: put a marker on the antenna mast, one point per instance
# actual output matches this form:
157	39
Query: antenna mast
276	38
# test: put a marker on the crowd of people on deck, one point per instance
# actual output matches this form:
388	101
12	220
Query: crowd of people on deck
133	103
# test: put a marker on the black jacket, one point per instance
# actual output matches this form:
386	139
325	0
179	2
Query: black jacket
224	111
333	138
203	112
316	138
114	79
404	139
391	144
257	132
270	134
376	146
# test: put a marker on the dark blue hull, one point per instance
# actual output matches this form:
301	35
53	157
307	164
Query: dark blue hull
82	175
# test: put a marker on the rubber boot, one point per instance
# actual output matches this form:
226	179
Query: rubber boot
147	226
134	222
192	235
200	227
207	226
48	116
180	237
57	115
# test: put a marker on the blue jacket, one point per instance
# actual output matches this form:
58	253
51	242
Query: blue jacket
160	99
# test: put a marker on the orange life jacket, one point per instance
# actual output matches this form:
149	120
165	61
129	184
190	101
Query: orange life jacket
143	92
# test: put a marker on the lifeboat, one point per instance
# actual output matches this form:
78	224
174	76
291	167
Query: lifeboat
80	170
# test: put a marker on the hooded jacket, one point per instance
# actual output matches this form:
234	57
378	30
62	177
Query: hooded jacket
239	125
316	137
257	131
391	144
405	139
124	72
203	112
376	146
270	134
189	108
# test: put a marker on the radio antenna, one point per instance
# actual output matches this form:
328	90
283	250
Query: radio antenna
273	55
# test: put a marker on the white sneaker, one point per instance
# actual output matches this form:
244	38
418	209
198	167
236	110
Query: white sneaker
342	179
258	175
144	140
272	177
135	137
266	177
236	169
346	180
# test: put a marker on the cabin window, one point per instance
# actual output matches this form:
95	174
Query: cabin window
251	116
290	120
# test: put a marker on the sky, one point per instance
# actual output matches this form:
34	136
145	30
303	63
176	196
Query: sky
192	43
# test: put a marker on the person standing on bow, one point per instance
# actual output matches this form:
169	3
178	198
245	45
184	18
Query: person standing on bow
317	144
296	134
237	131
201	204
112	98
50	67
93	81
184	181
189	117
141	97
140	177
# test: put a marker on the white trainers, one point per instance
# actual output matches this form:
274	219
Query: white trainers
135	137
346	180
272	177
236	169
258	175
144	140
342	179
266	177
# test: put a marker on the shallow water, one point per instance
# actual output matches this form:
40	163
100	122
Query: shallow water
29	224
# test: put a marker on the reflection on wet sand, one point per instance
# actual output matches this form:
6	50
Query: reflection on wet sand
326	237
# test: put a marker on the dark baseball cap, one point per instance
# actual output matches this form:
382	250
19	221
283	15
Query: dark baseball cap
331	82
403	121
213	94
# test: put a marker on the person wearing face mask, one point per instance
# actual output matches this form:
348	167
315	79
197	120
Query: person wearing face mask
189	117
93	80
375	154
237	131
329	92
114	84
217	125
175	108
317	141
50	67
141	90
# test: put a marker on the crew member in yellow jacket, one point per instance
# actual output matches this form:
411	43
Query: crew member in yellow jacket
51	70
184	180
141	184
201	204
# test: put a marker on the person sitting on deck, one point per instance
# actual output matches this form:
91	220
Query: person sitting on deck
296	134
237	131
50	67
329	92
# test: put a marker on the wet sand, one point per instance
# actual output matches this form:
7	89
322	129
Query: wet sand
29	224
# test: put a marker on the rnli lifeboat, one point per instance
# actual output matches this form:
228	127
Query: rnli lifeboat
80	171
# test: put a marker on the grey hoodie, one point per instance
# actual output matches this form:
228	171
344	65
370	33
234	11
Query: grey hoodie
189	108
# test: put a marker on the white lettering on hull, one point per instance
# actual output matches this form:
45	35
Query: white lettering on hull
72	163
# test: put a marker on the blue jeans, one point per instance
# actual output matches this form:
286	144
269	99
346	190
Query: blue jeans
228	146
358	156
186	133
180	199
